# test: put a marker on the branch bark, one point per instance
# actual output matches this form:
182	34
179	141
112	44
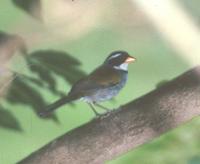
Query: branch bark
133	124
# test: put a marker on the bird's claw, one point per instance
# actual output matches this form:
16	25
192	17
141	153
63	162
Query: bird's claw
103	115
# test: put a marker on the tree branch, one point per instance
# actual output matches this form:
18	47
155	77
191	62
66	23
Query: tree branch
133	124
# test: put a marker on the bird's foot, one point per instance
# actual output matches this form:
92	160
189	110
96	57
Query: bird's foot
97	115
44	114
104	115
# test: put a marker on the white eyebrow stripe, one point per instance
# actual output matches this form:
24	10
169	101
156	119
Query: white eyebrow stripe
114	56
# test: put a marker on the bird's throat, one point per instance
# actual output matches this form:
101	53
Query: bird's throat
123	67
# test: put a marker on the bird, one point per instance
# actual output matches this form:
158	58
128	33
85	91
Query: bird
100	85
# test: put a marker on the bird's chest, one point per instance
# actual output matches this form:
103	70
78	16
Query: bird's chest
108	92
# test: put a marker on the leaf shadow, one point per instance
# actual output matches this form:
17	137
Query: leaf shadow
8	120
47	63
45	66
31	7
9	45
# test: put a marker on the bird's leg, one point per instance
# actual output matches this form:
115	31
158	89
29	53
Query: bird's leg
93	109
102	107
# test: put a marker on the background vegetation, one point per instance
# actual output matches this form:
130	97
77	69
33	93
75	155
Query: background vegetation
46	46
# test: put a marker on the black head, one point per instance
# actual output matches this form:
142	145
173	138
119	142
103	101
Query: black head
117	58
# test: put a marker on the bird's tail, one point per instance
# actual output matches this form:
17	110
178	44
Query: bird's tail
56	105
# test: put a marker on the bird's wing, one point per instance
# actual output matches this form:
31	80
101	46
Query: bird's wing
102	77
105	76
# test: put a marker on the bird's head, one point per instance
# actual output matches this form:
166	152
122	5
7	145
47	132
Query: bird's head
119	60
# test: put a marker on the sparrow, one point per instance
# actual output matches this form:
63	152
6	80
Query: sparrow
102	84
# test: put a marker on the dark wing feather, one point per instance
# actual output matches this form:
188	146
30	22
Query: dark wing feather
105	76
102	77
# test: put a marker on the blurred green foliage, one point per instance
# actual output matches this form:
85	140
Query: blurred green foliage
179	146
51	64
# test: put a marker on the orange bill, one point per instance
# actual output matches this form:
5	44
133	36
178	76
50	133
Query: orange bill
130	59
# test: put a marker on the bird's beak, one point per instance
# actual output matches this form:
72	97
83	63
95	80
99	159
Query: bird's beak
130	59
